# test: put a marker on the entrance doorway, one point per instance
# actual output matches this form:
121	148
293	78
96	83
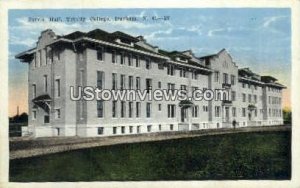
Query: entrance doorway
227	114
183	113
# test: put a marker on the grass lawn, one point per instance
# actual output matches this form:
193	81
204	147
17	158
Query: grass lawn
263	155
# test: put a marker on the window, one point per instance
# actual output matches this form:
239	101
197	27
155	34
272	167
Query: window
159	85
46	118
160	66
138	109
81	77
225	78
100	130
35	60
171	127
194	75
130	82
159	127
279	100
233	95
122	82
249	97
130	106
217	76
148	64
40	58
129	60
171	110
81	109
137	62
80	56
113	57
195	111
217	111
170	70
57	84
45	83
149	128
100	54
130	129
244	97
114	109
123	129
57	55
100	109
122	58
138	83
114	130
138	129
148	84
194	88
159	107
232	79
233	112
57	113
255	98
114	81
123	108
183	87
34	114
33	90
243	112
100	79
171	87
183	72
47	55
148	110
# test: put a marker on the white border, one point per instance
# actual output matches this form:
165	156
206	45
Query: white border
5	5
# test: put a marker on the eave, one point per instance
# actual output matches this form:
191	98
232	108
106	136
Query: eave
251	80
120	46
191	66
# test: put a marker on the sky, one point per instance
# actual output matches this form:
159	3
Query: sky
256	38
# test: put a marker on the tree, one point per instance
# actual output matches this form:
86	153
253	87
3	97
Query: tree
287	116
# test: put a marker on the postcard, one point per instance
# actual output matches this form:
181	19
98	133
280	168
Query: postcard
149	95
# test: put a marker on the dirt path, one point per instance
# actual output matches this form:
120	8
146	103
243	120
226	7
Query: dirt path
26	147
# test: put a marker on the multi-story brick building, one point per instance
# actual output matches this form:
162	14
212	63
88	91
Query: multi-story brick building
120	61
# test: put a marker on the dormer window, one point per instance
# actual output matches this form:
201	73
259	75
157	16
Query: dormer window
207	63
124	42
181	59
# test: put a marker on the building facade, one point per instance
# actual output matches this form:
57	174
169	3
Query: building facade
118	61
